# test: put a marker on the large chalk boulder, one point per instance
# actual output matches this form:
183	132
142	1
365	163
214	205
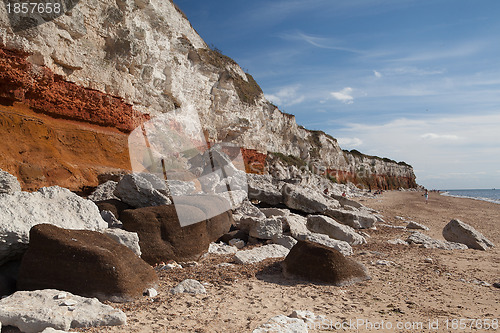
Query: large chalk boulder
87	263
352	218
20	211
431	243
34	311
328	226
282	324
460	232
318	263
104	191
325	240
306	199
142	190
264	188
261	253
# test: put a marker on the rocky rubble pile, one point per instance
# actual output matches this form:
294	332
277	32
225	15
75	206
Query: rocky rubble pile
97	248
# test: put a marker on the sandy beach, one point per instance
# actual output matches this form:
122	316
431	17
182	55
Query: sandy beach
410	293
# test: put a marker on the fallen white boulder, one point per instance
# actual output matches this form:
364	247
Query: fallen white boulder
328	226
460	232
258	254
53	205
34	311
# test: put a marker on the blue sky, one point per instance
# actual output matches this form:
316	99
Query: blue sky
415	81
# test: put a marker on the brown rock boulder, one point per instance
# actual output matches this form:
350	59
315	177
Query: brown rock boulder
161	236
83	262
318	263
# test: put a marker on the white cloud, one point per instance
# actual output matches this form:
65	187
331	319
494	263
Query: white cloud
434	136
318	41
450	147
377	74
349	142
286	96
345	95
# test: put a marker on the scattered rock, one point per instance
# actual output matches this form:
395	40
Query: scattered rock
222	248
428	260
247	209
55	205
391	226
380	218
104	192
341	246
355	219
179	187
282	324
385	263
169	266
33	311
262	188
84	262
189	286
238	243
306	200
139	191
397	242
266	228
286	241
8	183
312	321
345	202
111	219
161	236
127	238
51	330
297	225
270	212
431	243
319	263
151	292
415	225
496	284
328	226
258	254
460	232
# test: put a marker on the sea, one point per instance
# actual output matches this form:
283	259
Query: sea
491	195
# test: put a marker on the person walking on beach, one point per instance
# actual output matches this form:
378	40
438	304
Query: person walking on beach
426	195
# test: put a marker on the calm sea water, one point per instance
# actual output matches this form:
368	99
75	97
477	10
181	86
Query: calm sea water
491	195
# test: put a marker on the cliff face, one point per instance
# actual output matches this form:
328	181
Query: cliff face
112	64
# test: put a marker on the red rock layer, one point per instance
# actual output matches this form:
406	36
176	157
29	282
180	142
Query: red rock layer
42	151
48	93
255	162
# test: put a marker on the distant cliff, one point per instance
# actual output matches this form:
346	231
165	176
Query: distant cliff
88	77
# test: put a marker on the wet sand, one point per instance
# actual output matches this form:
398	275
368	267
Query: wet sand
408	292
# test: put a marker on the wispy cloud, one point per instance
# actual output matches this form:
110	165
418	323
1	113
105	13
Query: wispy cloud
426	53
318	41
344	95
377	74
287	96
434	136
